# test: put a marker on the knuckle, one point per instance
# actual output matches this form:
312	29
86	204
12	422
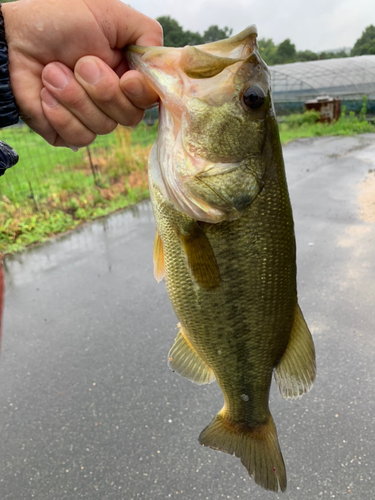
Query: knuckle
76	99
81	139
108	93
132	119
52	138
71	130
107	127
58	117
89	141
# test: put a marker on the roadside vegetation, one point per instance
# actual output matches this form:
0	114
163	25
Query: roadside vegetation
47	193
52	190
308	125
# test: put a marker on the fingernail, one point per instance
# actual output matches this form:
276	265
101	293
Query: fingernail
89	71
73	148
55	76
48	98
134	88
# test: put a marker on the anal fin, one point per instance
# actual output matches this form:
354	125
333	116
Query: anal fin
184	360
296	370
159	269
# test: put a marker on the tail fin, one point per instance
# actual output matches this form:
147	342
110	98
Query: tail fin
257	447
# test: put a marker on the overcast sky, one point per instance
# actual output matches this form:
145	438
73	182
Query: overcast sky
315	24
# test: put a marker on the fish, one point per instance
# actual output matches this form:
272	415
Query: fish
225	241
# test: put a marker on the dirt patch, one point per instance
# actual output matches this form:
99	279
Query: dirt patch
138	179
366	198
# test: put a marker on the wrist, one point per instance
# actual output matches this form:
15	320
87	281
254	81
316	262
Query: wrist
8	108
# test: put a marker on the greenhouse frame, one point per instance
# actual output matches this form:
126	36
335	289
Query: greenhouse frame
349	78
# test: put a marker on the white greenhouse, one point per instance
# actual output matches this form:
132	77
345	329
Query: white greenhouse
349	78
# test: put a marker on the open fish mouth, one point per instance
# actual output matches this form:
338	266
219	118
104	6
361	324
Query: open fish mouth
205	162
198	62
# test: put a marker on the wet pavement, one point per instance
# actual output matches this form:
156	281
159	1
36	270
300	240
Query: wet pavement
88	407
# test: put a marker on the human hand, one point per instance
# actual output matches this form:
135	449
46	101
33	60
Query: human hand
57	48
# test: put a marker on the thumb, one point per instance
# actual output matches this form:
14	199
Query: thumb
136	28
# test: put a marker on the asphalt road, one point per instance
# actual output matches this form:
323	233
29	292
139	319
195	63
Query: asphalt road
88	407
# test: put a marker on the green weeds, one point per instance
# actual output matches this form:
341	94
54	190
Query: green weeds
52	190
307	125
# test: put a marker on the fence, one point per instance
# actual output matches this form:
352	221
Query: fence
51	190
43	170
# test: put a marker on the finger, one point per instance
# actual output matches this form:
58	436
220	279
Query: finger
26	87
122	68
135	87
134	27
31	112
103	86
28	90
70	129
148	36
62	85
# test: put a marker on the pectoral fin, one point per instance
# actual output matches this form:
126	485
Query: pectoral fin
201	258
159	270
296	370
184	360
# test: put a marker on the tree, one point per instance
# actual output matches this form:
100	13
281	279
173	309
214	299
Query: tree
193	38
306	55
286	52
332	55
366	43
267	50
272	54
174	34
214	33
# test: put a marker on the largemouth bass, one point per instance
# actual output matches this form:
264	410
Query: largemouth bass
225	241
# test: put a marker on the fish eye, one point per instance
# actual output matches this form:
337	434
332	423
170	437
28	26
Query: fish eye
253	97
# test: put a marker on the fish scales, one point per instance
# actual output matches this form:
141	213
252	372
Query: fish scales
225	241
258	248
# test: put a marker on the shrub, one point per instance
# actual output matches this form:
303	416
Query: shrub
308	117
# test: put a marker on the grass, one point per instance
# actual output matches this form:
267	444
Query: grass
52	190
306	125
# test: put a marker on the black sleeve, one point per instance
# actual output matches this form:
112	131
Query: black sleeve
8	108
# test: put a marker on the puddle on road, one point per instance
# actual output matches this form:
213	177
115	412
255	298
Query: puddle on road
366	198
95	239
